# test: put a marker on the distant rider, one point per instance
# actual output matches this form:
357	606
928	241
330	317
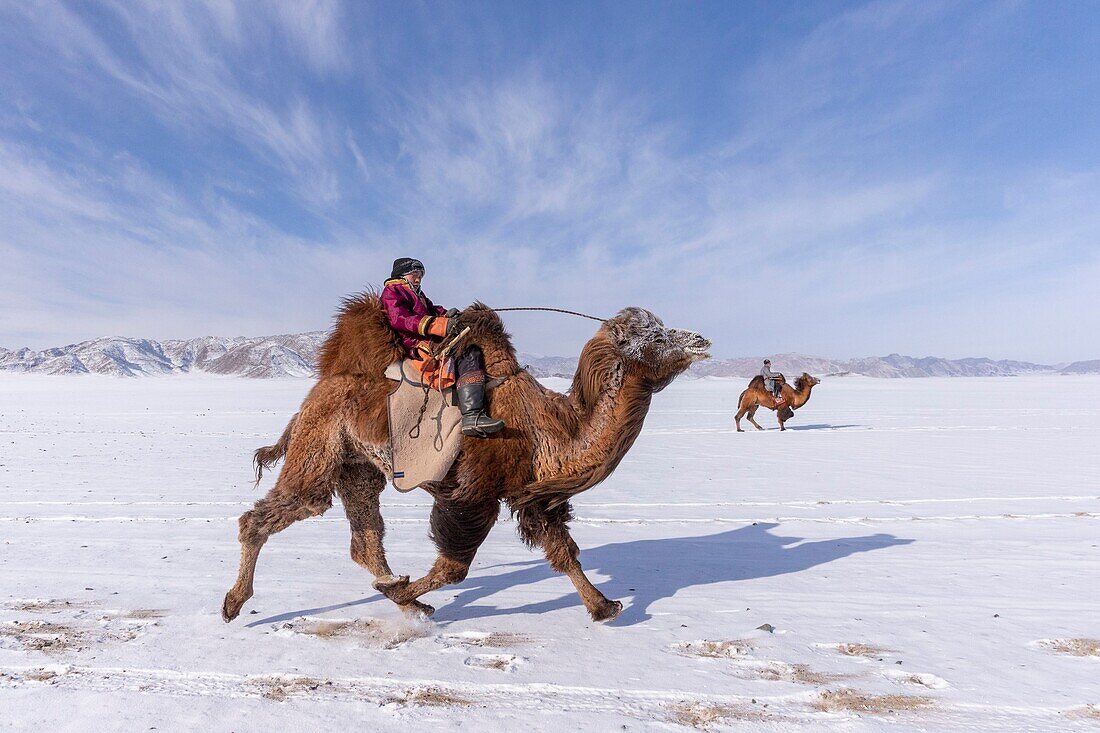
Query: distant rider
771	383
420	323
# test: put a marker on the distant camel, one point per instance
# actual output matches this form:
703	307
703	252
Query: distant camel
757	396
555	446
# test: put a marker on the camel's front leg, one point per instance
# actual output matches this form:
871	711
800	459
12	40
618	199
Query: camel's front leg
546	528
458	529
359	486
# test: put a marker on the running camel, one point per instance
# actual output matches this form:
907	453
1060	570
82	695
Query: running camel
554	447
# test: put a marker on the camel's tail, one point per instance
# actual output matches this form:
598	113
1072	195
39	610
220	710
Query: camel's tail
269	455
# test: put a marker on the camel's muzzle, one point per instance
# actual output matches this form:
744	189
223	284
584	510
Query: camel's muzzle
697	347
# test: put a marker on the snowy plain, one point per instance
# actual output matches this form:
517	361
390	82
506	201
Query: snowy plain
923	551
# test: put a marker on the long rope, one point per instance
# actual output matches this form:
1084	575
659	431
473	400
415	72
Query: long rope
554	310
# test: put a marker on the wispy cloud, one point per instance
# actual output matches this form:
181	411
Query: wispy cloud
233	168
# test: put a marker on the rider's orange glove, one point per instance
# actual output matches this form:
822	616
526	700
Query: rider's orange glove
438	327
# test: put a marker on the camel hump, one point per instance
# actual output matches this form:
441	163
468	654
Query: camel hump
756	382
362	341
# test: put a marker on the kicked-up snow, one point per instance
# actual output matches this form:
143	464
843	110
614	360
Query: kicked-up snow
911	555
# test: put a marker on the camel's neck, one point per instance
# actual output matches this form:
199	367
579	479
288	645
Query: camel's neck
801	396
605	428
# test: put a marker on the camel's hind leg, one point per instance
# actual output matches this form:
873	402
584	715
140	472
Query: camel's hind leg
546	528
752	417
458	529
273	513
304	489
359	487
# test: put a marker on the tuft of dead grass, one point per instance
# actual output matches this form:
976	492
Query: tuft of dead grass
1074	647
848	700
728	649
862	650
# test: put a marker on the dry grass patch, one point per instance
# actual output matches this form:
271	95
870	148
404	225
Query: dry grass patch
145	614
279	689
40	675
32	675
45	636
1074	647
498	662
38	605
42	636
799	673
704	716
1085	712
847	700
862	650
428	696
729	649
493	639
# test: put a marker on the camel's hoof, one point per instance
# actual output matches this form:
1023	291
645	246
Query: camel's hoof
740	430
390	584
608	611
416	608
231	608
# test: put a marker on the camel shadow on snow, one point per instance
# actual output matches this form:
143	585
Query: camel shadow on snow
647	571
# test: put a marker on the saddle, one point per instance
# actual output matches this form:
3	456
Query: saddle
423	445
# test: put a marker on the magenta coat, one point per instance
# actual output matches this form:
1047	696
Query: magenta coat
409	314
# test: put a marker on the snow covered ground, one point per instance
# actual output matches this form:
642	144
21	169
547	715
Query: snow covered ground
922	554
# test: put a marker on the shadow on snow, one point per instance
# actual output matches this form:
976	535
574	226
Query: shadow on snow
643	571
660	568
821	426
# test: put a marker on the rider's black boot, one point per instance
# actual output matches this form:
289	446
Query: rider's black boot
476	423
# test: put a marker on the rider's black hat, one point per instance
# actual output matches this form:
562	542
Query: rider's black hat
402	266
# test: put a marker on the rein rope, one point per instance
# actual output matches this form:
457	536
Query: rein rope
552	310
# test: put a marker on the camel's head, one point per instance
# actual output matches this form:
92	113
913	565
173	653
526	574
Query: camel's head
806	381
651	349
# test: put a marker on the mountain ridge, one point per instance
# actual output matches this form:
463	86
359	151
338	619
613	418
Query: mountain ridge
293	355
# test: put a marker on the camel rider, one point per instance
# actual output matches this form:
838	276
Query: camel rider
420	323
771	383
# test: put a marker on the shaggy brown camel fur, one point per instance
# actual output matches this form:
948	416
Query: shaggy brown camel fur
554	446
757	396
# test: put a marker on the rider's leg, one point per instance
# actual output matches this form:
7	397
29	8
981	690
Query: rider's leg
470	390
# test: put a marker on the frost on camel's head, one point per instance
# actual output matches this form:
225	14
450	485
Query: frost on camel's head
658	353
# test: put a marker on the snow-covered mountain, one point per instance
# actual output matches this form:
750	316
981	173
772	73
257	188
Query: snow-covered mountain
293	355
1082	367
267	356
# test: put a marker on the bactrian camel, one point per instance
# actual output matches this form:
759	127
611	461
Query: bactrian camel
554	446
757	396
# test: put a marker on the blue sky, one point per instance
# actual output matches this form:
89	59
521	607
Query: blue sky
841	179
